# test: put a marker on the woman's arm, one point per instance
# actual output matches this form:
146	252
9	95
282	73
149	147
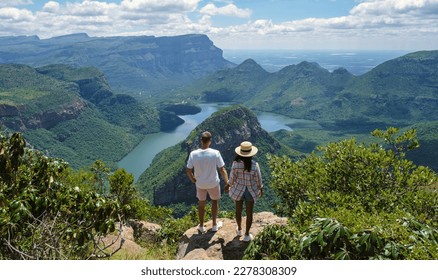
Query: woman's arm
231	179
259	181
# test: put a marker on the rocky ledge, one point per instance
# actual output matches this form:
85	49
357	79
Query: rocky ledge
223	244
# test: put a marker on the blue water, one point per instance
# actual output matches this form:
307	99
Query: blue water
356	62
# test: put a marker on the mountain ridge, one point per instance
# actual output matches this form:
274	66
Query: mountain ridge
135	64
400	91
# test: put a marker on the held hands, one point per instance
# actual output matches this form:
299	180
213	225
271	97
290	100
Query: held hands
227	188
261	192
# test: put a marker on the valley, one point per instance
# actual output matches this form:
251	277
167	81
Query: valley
95	134
61	108
140	158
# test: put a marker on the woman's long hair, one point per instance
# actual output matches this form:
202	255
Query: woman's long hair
247	162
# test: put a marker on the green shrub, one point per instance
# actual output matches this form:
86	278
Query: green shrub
42	216
356	201
275	242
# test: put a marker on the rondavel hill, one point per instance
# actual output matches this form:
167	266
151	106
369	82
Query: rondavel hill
132	64
165	181
401	91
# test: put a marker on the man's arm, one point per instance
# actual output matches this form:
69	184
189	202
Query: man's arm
189	172
224	174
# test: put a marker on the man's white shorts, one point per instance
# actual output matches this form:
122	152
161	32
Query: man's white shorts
214	193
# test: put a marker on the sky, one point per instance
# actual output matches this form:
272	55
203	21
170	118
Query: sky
237	24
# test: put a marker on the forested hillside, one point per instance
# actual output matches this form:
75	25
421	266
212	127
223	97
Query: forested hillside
401	91
61	109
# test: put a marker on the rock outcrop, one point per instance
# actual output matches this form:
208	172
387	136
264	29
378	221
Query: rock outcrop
49	119
131	236
223	244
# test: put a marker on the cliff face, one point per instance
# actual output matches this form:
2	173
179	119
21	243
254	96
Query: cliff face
49	119
14	117
144	64
167	182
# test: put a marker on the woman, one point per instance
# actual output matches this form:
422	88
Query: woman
245	184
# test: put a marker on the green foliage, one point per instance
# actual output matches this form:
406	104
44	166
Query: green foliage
356	201
133	206
43	216
75	140
174	228
325	237
275	242
405	142
49	211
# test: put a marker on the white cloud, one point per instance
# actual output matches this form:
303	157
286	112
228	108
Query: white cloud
179	6
15	15
412	21
227	10
51	7
396	7
7	3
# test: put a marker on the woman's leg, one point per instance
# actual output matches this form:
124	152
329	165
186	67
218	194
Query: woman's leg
239	207
249	208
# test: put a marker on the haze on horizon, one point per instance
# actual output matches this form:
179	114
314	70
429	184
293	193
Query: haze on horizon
237	24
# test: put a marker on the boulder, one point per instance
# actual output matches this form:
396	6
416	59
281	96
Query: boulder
145	232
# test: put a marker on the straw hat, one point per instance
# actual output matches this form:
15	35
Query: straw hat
246	149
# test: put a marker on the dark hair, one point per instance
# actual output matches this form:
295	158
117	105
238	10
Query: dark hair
247	162
205	136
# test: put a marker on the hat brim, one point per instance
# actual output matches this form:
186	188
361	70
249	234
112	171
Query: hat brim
251	153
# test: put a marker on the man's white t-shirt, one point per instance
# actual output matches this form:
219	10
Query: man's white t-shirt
205	164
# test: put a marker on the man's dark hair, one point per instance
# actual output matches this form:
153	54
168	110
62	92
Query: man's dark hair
205	136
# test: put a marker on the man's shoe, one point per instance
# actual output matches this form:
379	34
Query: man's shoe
247	238
217	226
202	229
238	232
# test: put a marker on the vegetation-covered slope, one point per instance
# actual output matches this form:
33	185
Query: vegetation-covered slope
401	91
62	109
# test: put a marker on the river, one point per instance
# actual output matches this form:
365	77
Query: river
139	159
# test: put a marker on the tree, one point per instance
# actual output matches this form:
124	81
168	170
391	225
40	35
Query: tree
42	214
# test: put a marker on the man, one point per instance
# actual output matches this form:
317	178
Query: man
201	169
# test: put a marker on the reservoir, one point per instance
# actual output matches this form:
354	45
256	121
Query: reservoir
139	159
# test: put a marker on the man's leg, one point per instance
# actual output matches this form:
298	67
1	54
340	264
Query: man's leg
215	195
201	194
214	210
201	212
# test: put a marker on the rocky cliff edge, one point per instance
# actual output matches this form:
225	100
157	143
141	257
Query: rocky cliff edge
223	244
